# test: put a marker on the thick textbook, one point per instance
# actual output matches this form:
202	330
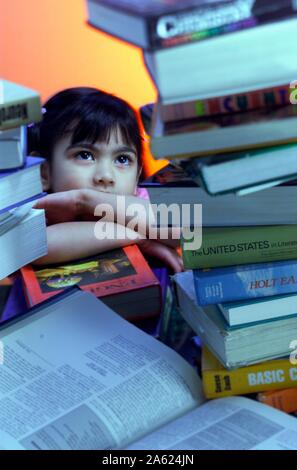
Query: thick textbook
245	61
270	375
247	171
160	24
19	105
84	378
243	282
13	148
228	246
235	346
23	242
272	206
227	104
121	278
21	184
264	127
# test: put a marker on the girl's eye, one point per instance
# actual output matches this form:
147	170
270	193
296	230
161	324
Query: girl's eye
84	155
124	160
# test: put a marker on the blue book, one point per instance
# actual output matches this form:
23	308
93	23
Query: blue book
234	283
21	185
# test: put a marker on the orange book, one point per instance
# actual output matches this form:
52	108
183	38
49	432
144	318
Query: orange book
121	278
285	400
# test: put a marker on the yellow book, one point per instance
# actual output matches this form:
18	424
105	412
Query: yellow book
270	375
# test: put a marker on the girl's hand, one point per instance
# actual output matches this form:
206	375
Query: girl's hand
164	253
68	206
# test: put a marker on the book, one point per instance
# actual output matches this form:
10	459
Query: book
119	379
20	185
272	206
231	423
170	175
121	278
270	375
227	104
237	171
245	61
252	311
228	246
5	288
13	148
23	243
235	346
160	24
285	400
19	105
243	282
222	134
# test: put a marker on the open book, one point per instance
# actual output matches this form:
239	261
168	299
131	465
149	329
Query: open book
77	376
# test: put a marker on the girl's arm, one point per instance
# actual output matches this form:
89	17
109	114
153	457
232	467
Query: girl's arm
74	240
81	204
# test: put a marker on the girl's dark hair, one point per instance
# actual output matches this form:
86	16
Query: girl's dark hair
89	114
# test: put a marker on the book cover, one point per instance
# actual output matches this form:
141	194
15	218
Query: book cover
162	24
228	246
19	105
284	400
270	375
114	275
250	281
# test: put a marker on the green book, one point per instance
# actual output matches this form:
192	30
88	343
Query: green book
239	245
19	105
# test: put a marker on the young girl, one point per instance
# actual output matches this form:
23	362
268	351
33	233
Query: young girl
93	148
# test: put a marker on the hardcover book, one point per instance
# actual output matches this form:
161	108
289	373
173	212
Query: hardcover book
248	60
228	246
121	278
222	133
271	375
13	148
243	282
19	105
161	24
21	184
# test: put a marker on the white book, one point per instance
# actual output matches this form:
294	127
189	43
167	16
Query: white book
20	185
84	378
253	311
24	242
244	61
13	148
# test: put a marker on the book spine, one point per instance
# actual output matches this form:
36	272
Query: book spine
266	376
19	113
284	400
270	97
234	246
244	283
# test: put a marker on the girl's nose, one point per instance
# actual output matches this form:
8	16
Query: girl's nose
103	176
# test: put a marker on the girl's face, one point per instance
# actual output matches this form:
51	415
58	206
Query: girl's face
110	166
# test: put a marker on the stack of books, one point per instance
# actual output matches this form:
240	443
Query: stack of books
22	229
249	346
